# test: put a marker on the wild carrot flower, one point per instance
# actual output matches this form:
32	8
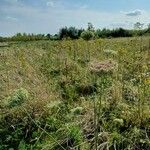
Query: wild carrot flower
106	66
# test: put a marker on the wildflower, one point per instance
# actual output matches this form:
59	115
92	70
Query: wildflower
107	66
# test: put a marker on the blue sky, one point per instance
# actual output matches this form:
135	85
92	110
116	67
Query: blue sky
47	16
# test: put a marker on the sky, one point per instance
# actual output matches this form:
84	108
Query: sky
48	16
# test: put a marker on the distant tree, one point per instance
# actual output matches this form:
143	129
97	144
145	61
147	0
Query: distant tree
70	32
63	32
87	35
120	33
2	39
18	35
55	37
90	26
138	26
148	29
73	33
80	32
48	36
98	33
105	33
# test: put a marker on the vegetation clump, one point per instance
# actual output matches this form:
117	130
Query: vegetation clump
17	98
106	66
87	35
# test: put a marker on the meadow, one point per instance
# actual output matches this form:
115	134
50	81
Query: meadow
75	94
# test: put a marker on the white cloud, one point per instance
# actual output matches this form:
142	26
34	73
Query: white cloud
50	3
134	13
10	18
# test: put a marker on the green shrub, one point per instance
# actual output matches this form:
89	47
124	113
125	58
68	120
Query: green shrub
17	98
87	35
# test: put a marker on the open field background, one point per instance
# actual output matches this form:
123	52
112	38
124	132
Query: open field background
75	94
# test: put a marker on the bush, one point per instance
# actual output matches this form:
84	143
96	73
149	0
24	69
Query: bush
17	98
87	35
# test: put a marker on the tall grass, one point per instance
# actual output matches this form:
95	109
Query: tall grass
76	94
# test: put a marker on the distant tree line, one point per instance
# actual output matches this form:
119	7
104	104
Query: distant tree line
24	37
91	33
86	34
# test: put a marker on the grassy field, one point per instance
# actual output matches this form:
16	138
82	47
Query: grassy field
75	95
